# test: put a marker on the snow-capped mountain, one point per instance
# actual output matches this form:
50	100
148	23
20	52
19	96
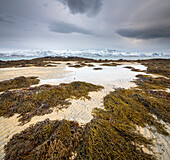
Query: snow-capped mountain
78	53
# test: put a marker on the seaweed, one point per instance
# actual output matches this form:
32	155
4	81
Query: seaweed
45	140
134	69
157	66
98	68
76	66
39	100
40	61
80	65
18	82
139	107
50	65
148	82
110	64
159	94
107	139
68	63
111	134
90	65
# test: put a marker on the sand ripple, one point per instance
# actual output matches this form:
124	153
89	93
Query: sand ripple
161	143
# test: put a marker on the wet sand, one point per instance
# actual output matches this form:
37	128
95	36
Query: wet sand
40	72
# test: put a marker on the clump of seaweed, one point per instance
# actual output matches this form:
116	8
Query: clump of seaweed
148	82
97	68
90	65
80	65
76	66
157	66
134	69
112	139
109	64
159	94
39	100
51	65
18	82
45	140
139	107
68	64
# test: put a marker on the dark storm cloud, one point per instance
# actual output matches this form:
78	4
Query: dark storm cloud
61	27
89	7
150	20
146	33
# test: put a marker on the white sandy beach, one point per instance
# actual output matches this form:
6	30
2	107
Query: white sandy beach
79	110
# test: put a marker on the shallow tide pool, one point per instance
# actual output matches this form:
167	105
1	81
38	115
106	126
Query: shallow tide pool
108	76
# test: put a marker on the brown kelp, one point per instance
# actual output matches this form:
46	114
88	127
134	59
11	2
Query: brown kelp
39	100
45	140
18	82
149	82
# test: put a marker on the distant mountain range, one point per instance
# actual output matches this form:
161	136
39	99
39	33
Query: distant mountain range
80	53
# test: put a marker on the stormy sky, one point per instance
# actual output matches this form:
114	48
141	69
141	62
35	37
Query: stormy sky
132	25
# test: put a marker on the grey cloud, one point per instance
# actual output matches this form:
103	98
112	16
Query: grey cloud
5	20
133	18
146	33
89	7
45	4
61	27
